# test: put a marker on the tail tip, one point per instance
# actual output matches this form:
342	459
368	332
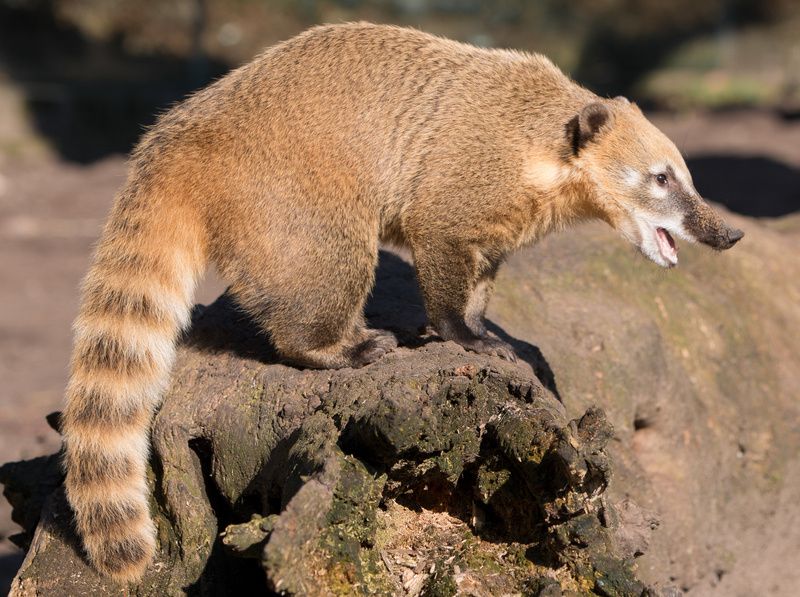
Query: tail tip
124	560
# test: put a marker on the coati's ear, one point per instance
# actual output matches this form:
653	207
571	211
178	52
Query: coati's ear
587	124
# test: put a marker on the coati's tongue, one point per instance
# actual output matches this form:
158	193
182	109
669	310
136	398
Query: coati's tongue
666	245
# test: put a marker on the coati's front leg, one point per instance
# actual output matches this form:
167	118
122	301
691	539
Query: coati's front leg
479	300
456	290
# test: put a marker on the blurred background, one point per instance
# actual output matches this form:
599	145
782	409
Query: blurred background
80	79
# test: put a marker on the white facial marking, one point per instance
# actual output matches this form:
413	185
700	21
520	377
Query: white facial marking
631	177
684	178
658	191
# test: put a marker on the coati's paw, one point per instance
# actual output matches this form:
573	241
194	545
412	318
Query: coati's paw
370	350
491	346
384	337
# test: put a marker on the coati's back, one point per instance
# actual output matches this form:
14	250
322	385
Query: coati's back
342	125
366	110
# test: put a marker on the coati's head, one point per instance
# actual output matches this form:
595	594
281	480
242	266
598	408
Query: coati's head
640	183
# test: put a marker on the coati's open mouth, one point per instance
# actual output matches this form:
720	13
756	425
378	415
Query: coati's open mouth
656	242
667	246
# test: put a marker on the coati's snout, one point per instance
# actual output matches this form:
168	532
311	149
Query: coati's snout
640	182
705	225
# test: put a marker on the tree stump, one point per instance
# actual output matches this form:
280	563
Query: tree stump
433	471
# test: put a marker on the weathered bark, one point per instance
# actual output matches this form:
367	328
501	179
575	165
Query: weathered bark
432	471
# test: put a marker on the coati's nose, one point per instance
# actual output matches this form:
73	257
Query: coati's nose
726	238
734	236
729	237
708	228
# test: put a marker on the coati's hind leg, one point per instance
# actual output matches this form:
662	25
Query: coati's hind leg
359	346
345	353
313	310
456	288
372	343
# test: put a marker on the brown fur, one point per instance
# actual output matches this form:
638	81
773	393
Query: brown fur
286	174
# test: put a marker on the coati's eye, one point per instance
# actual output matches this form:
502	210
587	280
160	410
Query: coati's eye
661	179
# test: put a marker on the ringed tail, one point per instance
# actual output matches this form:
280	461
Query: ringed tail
136	301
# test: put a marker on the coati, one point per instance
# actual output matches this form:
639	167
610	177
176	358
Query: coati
288	172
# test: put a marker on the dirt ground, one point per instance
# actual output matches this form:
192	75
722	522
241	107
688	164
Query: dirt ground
51	213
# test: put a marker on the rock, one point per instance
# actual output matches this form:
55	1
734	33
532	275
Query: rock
247	539
334	482
698	370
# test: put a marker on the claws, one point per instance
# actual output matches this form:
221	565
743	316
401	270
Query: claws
369	351
491	346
